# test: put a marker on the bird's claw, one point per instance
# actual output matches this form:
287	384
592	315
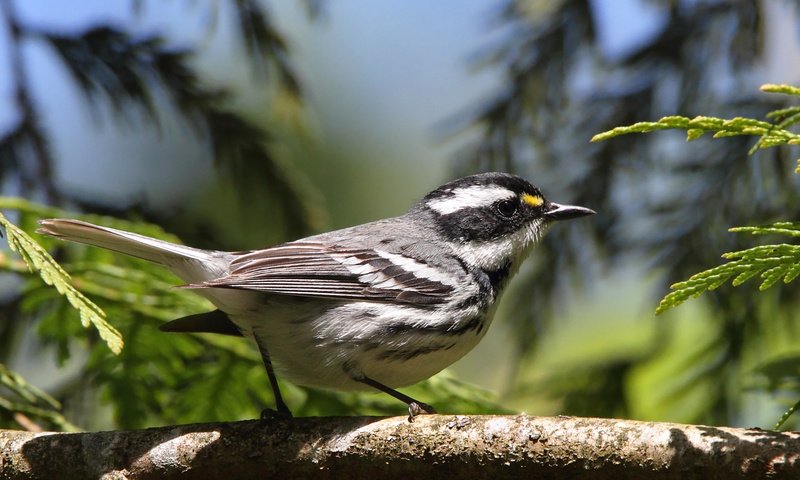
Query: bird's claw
279	414
418	408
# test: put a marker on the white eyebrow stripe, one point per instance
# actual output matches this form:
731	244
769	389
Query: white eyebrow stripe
475	196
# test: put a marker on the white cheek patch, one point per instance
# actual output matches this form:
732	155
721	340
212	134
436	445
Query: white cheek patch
491	255
476	196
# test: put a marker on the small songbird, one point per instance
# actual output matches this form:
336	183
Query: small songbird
378	306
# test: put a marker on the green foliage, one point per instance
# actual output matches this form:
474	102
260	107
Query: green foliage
29	400
51	273
786	415
772	262
771	134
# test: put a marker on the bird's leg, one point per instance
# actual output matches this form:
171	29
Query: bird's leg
280	405
414	407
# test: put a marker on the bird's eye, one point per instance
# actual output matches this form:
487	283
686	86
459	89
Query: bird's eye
508	208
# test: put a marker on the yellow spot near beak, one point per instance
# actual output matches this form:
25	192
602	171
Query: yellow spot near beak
532	200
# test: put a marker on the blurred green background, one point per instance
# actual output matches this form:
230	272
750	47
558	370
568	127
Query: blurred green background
240	124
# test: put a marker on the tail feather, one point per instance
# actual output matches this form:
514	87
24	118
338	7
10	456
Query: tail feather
171	255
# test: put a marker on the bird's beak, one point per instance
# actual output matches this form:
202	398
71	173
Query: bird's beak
565	212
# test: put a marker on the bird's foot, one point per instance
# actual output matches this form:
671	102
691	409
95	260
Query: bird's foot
418	408
282	413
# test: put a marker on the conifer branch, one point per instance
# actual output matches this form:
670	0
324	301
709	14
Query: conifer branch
34	401
771	262
37	259
771	134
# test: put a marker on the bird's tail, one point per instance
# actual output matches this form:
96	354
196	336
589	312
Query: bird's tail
177	258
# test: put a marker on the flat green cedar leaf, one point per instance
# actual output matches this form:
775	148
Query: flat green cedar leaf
783	113
728	133
745	123
700	121
51	273
789	225
694	134
682	291
771	276
773	262
780	228
792	273
712	273
791	119
645	127
768	141
672	299
743	277
763	253
780	88
718	282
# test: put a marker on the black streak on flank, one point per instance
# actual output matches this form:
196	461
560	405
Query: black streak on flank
489	284
450	329
393	353
398	354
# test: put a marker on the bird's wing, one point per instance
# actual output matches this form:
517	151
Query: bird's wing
316	269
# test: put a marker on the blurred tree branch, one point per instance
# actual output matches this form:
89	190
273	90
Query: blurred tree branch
138	76
27	138
475	447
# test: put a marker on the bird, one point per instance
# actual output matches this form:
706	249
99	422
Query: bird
376	306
